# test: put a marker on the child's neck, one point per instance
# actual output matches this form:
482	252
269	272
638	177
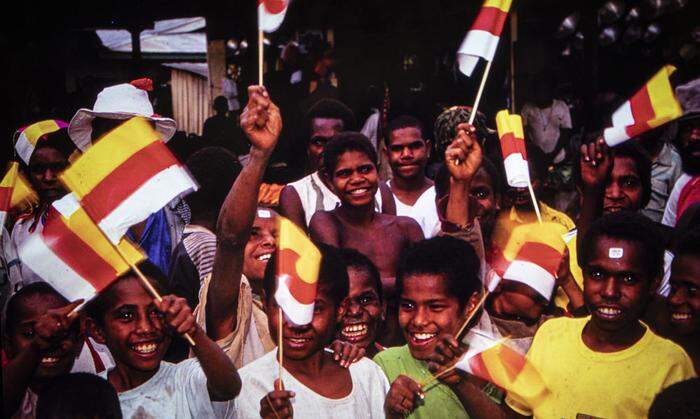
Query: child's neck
410	185
600	340
357	215
309	367
124	378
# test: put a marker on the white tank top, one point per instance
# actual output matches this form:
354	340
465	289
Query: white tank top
424	211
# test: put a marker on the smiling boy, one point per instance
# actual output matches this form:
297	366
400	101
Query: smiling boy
314	384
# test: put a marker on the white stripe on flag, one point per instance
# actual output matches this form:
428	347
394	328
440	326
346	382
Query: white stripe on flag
67	205
477	43
615	135
531	274
623	115
517	172
46	264
269	22
153	195
295	311
24	148
478	342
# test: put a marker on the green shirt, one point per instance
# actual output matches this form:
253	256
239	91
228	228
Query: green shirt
440	401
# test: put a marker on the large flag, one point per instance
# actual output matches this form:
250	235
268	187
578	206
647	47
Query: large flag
482	38
495	361
27	137
510	132
73	255
653	105
298	263
14	192
126	176
271	14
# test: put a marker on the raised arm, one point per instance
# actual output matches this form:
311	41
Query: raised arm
291	208
596	164
463	158
262	123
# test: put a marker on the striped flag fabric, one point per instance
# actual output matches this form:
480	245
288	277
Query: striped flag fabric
271	14
482	38
126	176
298	263
73	255
495	361
15	191
512	137
27	137
652	106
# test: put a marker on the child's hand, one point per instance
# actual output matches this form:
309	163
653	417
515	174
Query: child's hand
446	353
261	120
54	325
346	353
276	404
178	314
463	155
403	397
596	163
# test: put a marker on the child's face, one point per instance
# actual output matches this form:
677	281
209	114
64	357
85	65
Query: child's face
623	189
301	342
133	328
322	130
515	300
44	167
355	179
427	310
407	153
54	361
487	202
684	301
260	246
363	311
616	286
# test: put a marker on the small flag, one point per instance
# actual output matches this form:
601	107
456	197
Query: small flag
653	105
73	255
482	38
27	137
298	264
510	132
494	361
15	192
126	176
271	14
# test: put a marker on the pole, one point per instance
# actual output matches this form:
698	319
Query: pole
534	201
513	40
261	46
472	115
280	343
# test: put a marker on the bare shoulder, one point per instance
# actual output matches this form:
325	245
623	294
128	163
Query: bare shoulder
410	228
325	228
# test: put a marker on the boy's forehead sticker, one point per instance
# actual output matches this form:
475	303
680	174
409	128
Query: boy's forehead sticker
262	213
615	253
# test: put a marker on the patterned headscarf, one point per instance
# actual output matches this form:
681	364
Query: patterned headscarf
446	123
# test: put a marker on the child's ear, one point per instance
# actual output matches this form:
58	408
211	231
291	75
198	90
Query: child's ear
94	331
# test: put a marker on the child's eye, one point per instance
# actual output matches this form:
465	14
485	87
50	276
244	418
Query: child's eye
125	316
28	333
597	275
343	173
437	307
629	279
406	306
364	169
366	300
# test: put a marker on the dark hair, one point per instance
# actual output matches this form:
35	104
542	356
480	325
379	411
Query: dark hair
78	396
328	108
677	401
628	226
215	169
404	121
641	162
453	259
96	308
14	303
688	243
58	140
332	274
220	104
342	143
355	259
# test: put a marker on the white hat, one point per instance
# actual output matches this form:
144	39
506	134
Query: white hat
122	101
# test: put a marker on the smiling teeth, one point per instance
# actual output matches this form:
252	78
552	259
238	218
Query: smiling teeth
358	191
424	336
298	340
145	348
681	316
355	330
49	360
608	311
264	257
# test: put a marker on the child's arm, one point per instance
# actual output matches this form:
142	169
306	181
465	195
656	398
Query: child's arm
596	164
466	151
403	397
262	123
290	207
49	330
223	381
323	228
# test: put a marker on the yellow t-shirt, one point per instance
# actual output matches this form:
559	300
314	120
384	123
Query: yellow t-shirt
594	384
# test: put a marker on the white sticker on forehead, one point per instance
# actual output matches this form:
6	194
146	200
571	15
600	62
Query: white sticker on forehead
262	213
615	253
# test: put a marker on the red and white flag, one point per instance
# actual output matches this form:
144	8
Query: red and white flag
271	14
512	137
482	38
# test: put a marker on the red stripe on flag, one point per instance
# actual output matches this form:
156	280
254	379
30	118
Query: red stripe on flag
512	361
637	129
490	19
77	254
5	198
642	109
478	367
543	255
301	290
274	7
509	145
116	187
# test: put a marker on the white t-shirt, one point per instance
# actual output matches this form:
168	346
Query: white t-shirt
176	391
366	399
546	124
669	217
424	211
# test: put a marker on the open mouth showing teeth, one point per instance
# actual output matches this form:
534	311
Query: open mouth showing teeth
355	330
298	341
681	317
49	360
609	312
423	337
360	191
145	348
264	257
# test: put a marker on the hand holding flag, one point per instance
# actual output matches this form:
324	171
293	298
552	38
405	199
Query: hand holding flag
261	120
463	155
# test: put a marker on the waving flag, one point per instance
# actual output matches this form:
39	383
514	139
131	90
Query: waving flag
494	361
126	176
298	263
271	14
27	137
14	192
652	106
73	255
510	132
482	38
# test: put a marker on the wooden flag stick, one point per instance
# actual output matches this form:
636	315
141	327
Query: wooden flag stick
479	92
280	343
261	61
534	201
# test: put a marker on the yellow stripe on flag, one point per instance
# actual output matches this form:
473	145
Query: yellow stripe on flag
504	5
511	371
35	131
22	192
292	237
664	102
546	233
107	154
507	123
